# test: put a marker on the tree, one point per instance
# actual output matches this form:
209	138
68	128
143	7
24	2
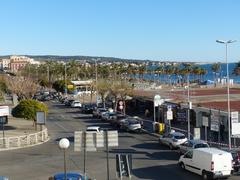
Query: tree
120	91
27	109
236	70
23	87
215	69
103	89
60	86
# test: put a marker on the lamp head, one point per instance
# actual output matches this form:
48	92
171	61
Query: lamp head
64	143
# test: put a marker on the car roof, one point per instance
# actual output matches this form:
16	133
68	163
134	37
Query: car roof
70	175
93	127
177	134
197	141
211	150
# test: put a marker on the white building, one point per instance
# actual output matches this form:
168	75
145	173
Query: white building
4	63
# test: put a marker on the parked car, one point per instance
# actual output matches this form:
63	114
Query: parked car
131	124
117	122
88	108
68	102
98	111
104	115
94	129
236	158
111	116
172	139
192	144
210	163
76	104
70	176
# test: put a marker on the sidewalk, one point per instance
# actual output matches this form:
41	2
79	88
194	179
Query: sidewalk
17	127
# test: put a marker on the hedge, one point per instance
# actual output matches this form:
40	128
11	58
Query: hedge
27	109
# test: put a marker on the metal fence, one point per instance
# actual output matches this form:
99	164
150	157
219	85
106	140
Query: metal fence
23	141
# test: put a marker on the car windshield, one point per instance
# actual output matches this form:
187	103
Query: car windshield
133	122
201	146
179	136
91	130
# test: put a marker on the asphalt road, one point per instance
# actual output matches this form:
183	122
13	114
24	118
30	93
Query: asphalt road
150	160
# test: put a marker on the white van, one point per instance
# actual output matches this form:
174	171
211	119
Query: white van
211	163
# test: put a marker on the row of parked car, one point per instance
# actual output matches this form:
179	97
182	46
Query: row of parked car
197	156
118	120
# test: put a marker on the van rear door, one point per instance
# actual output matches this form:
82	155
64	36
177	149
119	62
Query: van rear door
222	163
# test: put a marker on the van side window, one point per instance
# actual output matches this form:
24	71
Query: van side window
189	155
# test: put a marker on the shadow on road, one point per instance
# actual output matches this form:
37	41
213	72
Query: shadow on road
7	128
154	146
127	151
164	172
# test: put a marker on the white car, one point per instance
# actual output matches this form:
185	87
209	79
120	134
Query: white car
76	104
210	163
96	129
172	139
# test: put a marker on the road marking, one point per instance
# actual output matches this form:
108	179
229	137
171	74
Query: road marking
59	125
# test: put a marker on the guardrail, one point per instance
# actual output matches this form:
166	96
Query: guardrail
8	143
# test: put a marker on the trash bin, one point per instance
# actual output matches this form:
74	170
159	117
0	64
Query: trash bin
161	128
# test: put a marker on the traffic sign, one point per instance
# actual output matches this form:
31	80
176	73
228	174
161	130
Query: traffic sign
169	115
157	100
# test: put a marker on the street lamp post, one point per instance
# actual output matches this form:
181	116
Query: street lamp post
188	114
65	78
228	96
96	72
64	144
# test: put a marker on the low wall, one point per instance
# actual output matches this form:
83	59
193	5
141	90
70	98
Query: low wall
8	143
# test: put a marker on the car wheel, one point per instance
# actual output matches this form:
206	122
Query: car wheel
181	164
204	175
171	147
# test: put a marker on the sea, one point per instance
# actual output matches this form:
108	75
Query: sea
209	78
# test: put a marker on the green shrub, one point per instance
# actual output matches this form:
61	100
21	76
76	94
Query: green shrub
27	109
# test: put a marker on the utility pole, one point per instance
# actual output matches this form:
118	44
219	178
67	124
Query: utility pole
65	78
228	91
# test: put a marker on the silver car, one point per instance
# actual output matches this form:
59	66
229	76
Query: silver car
192	144
172	139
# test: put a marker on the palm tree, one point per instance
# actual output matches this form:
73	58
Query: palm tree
236	70
215	69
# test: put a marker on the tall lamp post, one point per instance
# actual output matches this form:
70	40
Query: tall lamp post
228	97
96	72
64	144
65	78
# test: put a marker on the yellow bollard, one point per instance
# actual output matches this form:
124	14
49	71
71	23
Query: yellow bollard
161	128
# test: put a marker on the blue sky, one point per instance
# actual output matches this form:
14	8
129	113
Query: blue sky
181	30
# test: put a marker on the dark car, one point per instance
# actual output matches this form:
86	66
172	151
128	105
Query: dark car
88	108
236	158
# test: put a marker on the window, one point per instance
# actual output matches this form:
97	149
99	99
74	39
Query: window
189	155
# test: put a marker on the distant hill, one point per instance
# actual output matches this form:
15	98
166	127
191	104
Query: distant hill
81	58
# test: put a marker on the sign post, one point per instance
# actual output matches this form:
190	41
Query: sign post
4	113
41	118
235	123
169	116
157	102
